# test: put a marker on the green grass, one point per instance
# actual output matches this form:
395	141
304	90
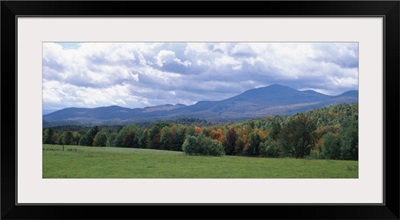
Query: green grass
111	162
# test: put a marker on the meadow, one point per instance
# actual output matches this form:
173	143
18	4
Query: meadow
114	162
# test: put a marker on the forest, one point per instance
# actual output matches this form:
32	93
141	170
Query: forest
326	133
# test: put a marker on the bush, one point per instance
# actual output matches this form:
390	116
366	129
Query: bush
331	146
202	145
349	140
314	154
269	149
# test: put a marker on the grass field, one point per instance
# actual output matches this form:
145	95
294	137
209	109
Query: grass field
111	162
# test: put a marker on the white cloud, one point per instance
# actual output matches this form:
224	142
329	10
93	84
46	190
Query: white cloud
165	56
344	81
58	95
140	74
225	61
196	48
242	49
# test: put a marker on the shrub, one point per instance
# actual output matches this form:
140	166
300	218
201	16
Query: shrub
202	145
269	149
314	154
349	140
331	146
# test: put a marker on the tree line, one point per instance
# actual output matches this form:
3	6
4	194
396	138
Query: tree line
326	133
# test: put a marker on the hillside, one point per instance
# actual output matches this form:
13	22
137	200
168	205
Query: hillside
259	102
273	136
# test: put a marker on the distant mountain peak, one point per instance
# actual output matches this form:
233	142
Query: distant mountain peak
349	93
277	86
309	91
274	99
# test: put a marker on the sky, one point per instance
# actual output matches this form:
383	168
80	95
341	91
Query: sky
137	75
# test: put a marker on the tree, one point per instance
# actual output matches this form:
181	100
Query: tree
205	131
217	134
126	137
100	139
275	129
231	137
191	131
68	138
130	139
90	134
165	140
239	146
141	137
178	138
254	143
297	137
84	141
349	140
48	136
269	148
197	130
331	146
110	139
60	140
202	145
76	136
154	137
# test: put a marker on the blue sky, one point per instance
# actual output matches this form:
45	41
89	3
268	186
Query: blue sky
146	74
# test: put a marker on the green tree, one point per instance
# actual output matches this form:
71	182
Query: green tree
76	137
60	140
269	148
48	136
68	138
239	146
126	137
254	143
331	146
297	137
191	131
206	131
141	137
100	139
231	138
110	139
349	140
178	138
90	134
165	140
154	137
275	129
202	145
84	141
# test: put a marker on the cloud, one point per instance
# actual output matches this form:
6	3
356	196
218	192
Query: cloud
142	74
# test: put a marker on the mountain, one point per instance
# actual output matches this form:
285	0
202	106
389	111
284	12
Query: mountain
272	100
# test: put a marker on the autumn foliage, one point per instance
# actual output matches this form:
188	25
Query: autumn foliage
330	133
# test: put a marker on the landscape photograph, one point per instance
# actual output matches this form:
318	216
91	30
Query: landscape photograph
200	109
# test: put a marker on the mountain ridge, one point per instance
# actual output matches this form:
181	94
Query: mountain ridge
258	102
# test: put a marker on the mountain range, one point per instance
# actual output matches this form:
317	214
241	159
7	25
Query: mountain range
271	100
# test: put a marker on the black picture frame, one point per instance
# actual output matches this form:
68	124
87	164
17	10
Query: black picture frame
11	10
